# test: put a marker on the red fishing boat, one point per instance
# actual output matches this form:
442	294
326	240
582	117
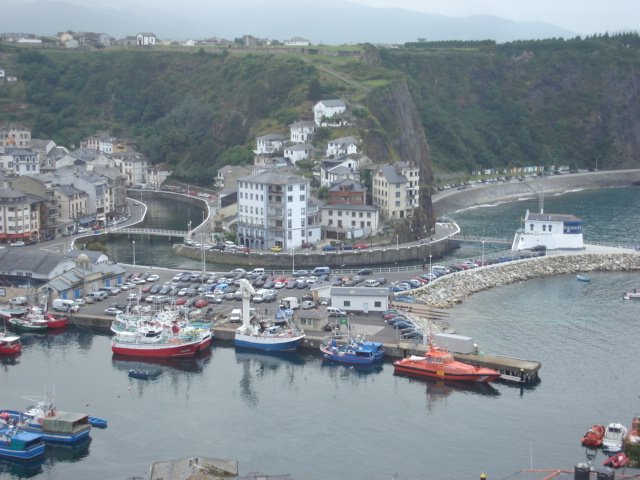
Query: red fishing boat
55	322
618	460
9	344
440	364
162	342
593	437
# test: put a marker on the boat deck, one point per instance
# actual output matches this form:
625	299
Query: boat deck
558	474
512	369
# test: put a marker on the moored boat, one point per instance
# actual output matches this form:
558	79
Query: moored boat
613	440
54	425
9	344
28	324
54	322
162	342
356	351
635	295
279	335
97	422
583	278
16	444
440	364
619	460
593	437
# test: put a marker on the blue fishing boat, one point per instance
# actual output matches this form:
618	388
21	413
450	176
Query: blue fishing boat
16	444
52	424
356	351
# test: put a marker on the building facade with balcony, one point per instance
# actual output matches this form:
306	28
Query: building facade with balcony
396	189
41	186
14	135
350	221
274	211
19	215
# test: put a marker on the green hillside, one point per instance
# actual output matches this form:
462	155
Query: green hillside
481	105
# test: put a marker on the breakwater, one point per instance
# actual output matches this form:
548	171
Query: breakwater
454	288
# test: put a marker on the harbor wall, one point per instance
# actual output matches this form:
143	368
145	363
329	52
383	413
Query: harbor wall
310	258
446	291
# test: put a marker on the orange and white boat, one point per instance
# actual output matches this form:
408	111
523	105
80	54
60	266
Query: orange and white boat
594	436
440	364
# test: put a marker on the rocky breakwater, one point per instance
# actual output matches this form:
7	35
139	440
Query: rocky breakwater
454	288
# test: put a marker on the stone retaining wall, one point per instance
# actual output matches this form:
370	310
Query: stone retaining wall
451	289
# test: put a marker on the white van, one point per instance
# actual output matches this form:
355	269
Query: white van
440	270
290	302
257	271
99	295
62	305
321	271
372	282
335	312
236	315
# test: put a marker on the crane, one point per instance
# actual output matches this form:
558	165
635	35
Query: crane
247	292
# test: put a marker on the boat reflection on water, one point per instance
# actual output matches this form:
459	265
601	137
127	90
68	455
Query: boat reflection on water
20	469
437	391
257	365
359	370
67	453
54	453
192	365
267	360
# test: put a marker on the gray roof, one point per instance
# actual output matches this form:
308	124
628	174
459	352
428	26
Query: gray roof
275	137
9	196
391	174
333	103
92	254
360	291
304	123
37	261
351	206
229	169
300	146
19	151
352	186
68	190
274	178
553	217
343	141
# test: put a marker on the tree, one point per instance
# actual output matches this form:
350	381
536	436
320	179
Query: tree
314	92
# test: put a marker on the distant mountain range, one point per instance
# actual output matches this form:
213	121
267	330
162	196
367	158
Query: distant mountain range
328	22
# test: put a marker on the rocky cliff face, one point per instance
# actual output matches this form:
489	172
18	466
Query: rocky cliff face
399	136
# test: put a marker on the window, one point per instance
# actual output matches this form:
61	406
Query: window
550	228
302	198
377	304
339	213
544	228
531	227
288	212
290	198
347	303
289	222
289	188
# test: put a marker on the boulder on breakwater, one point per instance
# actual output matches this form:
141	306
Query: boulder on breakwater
454	288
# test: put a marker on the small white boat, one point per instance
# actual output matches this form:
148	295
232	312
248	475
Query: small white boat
583	278
635	295
613	438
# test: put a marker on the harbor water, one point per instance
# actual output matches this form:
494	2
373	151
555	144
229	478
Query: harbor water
295	415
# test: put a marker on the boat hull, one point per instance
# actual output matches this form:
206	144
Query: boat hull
53	322
48	435
341	356
22	326
420	372
164	350
269	344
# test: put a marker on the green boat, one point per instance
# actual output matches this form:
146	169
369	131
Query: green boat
28	325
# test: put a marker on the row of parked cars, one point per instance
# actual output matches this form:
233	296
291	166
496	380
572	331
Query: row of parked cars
406	327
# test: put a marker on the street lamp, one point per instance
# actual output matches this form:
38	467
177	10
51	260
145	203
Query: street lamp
483	253
133	242
396	241
293	260
430	263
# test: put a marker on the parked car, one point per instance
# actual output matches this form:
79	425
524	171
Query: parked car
112	311
307	304
365	271
328	248
361	246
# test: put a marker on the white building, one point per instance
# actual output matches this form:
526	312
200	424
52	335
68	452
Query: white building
299	151
396	189
19	216
273	211
270	143
360	299
21	161
326	110
145	39
302	131
550	230
297	42
342	146
350	221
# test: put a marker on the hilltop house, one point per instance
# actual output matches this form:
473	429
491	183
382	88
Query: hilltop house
270	143
342	146
329	113
302	131
300	151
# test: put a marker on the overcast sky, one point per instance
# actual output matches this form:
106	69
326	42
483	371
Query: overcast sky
580	16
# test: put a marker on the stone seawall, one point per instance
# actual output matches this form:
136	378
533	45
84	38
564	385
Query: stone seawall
454	288
309	258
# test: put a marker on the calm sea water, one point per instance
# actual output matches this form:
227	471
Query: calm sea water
296	415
